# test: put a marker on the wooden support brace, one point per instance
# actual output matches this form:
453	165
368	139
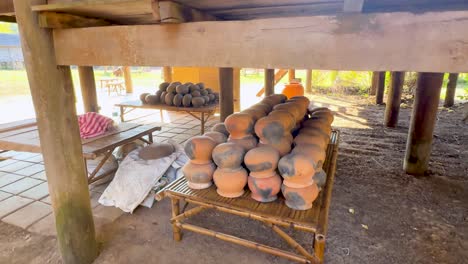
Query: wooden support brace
188	214
88	88
62	20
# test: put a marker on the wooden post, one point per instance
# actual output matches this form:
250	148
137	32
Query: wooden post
269	81
419	144
88	89
236	89
451	87
308	81
394	99
52	92
167	74
291	74
380	88
375	83
128	79
226	93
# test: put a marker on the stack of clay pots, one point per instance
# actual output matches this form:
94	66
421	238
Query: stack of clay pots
230	177
302	168
264	182
199	170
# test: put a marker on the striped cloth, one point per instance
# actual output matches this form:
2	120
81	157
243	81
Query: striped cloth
93	124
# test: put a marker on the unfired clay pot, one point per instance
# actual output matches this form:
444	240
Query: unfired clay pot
228	155
297	170
230	183
239	125
286	117
283	146
293	108
262	161
265	189
304	139
327	115
315	152
320	178
272	129
199	176
248	142
300	198
199	149
220	127
255	113
218	137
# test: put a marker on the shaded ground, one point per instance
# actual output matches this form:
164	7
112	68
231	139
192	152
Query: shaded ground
408	219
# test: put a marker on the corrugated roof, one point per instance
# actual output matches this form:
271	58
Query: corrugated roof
9	40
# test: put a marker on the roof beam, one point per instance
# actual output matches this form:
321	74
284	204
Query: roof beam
432	42
353	6
172	12
9	19
62	20
6	7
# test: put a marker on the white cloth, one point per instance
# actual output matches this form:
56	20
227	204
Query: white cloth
135	179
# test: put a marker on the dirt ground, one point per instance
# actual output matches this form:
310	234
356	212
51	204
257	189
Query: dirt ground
378	213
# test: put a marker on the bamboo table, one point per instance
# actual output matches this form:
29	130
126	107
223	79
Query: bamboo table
275	215
24	136
205	112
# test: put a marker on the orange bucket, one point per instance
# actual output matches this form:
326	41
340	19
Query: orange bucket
294	88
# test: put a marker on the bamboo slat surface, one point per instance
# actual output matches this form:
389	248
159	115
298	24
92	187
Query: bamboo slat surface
138	104
314	218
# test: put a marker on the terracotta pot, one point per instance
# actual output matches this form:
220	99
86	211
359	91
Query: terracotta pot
320	178
300	198
297	170
262	161
323	130
230	183
248	142
283	146
199	176
220	127
303	103
264	106
294	88
265	189
271	128
274	99
319	109
255	113
218	137
327	115
239	125
286	117
228	155
305	139
293	108
315	152
303	99
199	149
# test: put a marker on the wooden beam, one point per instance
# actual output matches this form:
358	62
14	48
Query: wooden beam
167	74
392	109
7	7
236	89
127	73
88	89
53	96
9	19
308	81
379	95
384	41
423	119
62	20
451	88
353	6
226	92
375	83
291	74
269	81
278	76
172	12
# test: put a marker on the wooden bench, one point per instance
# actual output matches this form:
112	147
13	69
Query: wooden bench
115	86
24	136
275	215
204	113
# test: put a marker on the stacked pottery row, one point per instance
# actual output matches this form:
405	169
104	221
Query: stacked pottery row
302	168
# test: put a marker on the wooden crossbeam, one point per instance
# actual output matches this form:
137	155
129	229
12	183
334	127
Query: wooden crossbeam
62	20
6	7
429	42
172	12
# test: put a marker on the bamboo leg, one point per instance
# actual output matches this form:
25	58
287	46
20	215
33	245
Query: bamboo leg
319	247
175	212
292	243
188	214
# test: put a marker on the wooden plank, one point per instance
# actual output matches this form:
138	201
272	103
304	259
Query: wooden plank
54	101
49	19
17	125
171	12
393	41
139	104
6	7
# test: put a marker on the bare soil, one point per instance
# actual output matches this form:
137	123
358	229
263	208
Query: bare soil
378	213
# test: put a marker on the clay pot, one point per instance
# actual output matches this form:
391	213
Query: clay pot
297	170
313	131
304	100
248	142
293	108
272	128
283	146
327	115
274	99
265	107
305	139
218	137
230	183
199	176
286	117
265	189
320	178
262	161
228	155
199	149
156	151
239	125
220	127
315	152
300	198
255	113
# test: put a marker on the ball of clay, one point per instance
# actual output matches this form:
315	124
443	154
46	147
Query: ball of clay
220	127
143	97
169	98
171	89
163	97
196	93
163	86
156	151
171	86
209	90
158	93
207	99
201	85
218	137
177	101
216	96
198	101
203	92
151	99
182	89
188	84
194	87
187	100
212	98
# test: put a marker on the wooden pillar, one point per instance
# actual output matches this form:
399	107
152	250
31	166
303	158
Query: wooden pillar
380	88
88	89
226	92
128	79
52	92
375	83
269	81
236	89
392	108
451	87
291	74
308	81
167	74
419	144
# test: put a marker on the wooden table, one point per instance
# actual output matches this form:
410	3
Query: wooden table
115	86
24	136
204	113
275	215
104	81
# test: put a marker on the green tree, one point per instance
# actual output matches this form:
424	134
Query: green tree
9	28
